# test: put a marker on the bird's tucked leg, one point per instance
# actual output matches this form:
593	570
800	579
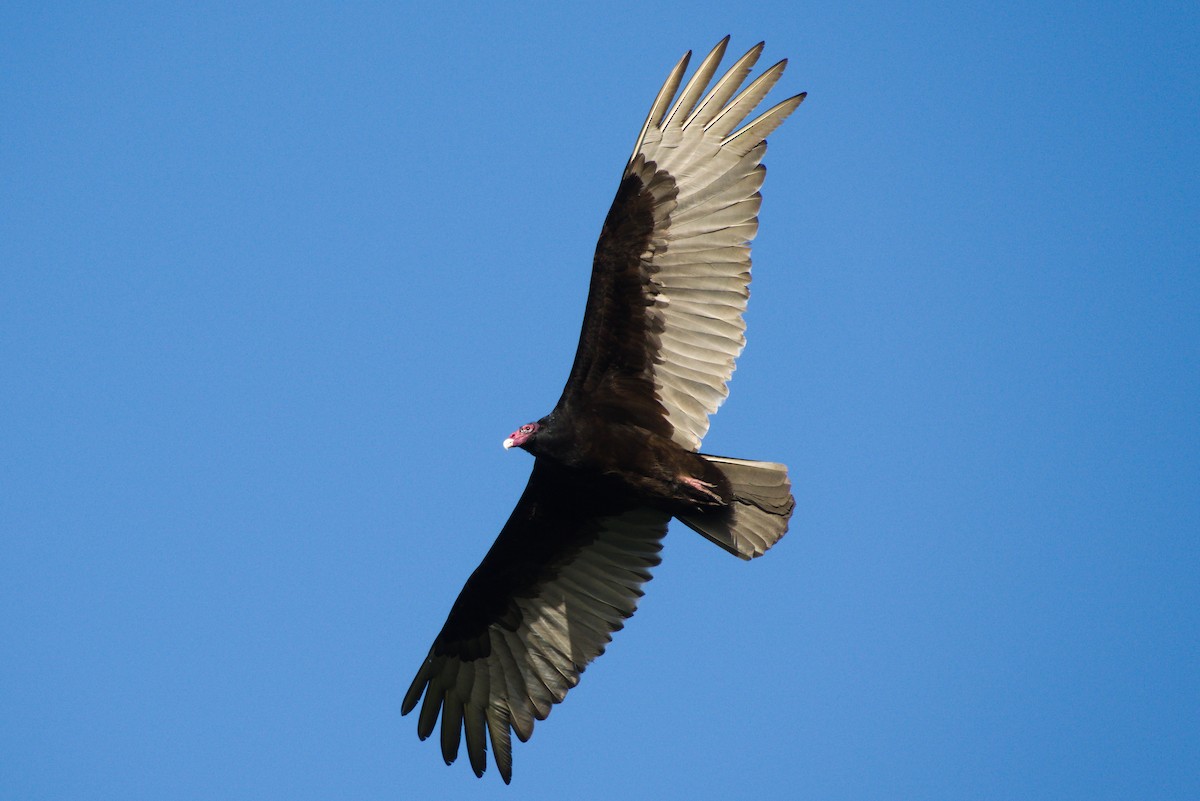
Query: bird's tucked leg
703	487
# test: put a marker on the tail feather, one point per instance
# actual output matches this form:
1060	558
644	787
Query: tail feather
758	516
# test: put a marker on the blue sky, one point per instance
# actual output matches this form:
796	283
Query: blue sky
277	279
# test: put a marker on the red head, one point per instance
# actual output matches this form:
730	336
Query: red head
521	436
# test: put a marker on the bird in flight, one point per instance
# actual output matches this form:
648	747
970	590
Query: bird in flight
618	456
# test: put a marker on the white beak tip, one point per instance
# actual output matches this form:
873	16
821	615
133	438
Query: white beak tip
508	443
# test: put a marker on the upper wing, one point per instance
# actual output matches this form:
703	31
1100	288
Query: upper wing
663	323
565	571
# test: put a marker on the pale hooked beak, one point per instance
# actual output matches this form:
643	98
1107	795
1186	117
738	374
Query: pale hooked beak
508	443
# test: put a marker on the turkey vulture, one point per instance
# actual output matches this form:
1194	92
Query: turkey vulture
618	456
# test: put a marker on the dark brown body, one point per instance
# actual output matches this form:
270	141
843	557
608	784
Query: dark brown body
653	468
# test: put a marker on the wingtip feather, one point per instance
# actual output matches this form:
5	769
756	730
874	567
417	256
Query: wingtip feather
662	101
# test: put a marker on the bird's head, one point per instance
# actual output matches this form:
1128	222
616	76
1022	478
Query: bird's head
522	436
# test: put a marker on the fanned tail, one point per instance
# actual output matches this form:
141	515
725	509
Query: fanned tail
758	516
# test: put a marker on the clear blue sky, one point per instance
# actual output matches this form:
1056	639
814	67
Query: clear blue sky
277	280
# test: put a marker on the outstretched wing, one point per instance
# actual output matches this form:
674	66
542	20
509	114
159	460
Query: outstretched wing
670	277
564	573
